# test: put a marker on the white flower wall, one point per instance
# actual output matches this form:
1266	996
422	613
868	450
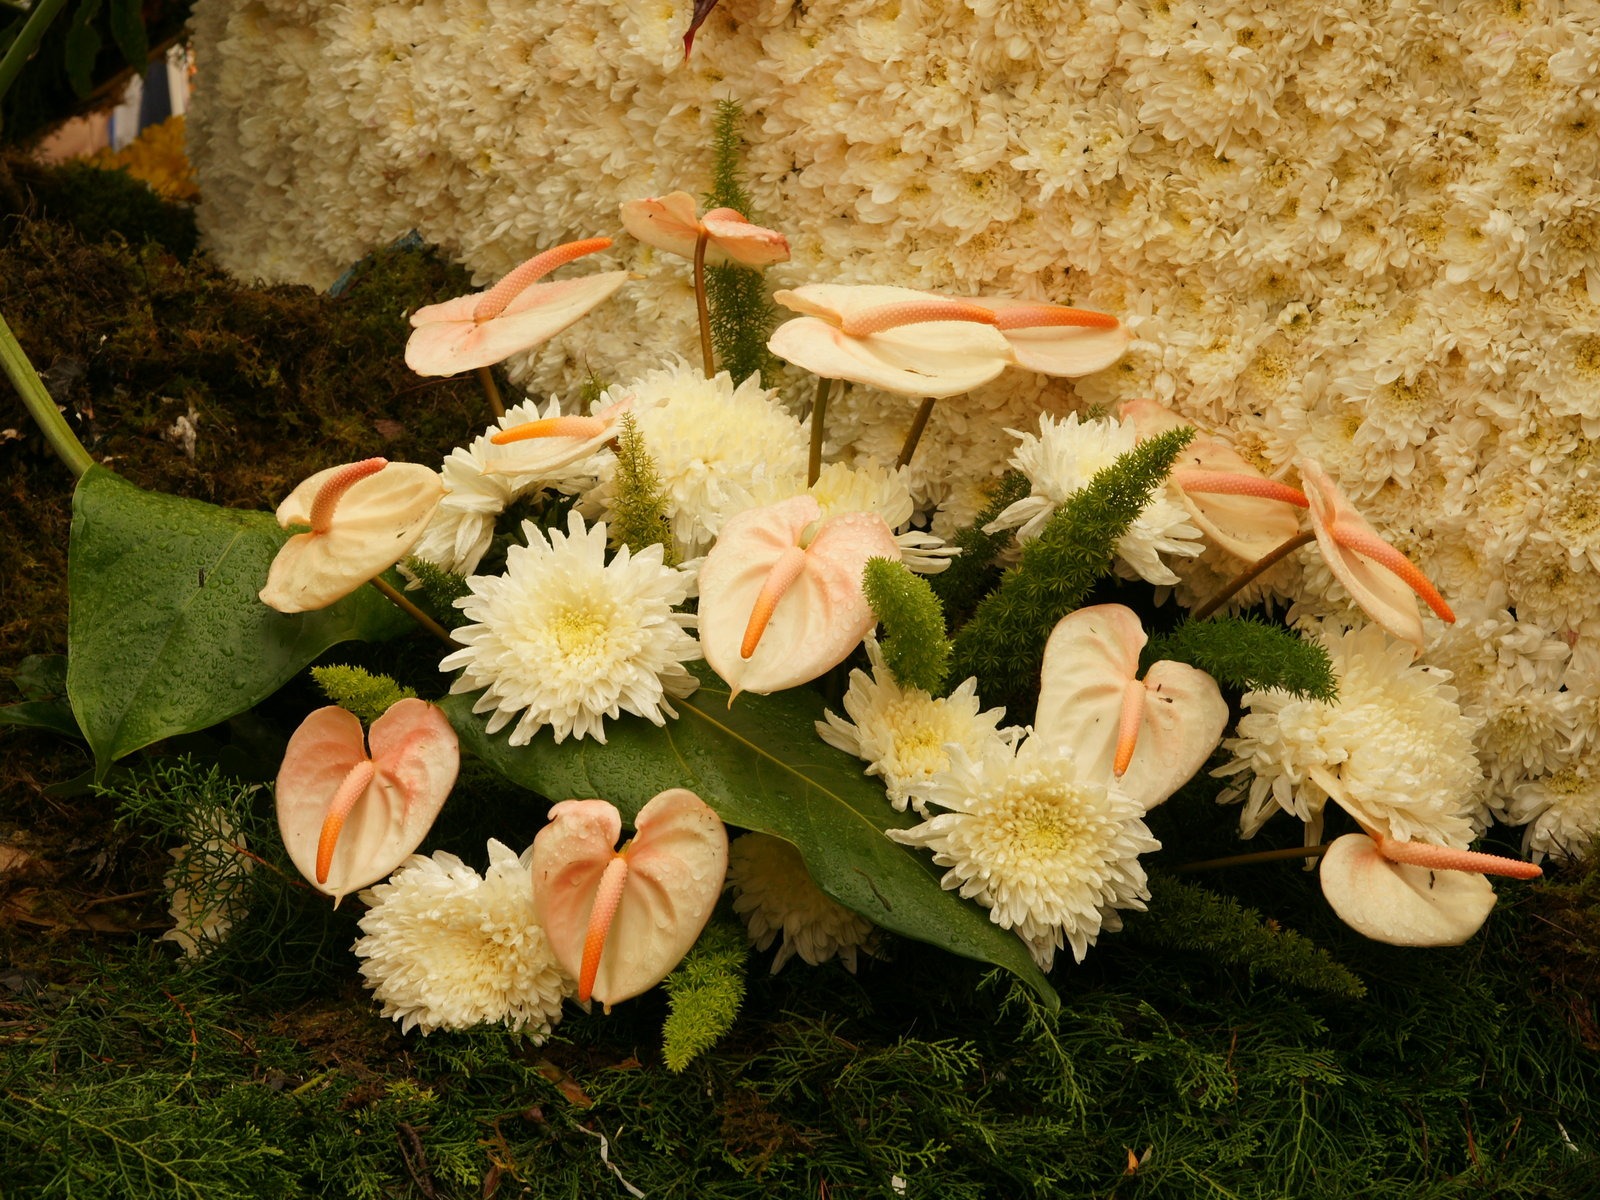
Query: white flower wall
1364	232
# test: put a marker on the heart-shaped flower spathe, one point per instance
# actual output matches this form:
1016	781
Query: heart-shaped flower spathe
516	314
778	608
620	920
1150	735
1054	339
364	517
349	818
1378	577
1411	893
670	223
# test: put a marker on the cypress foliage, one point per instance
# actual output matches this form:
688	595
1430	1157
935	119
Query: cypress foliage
742	316
967	577
914	644
1003	644
704	992
641	509
367	695
1248	653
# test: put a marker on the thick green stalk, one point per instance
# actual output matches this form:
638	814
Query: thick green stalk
39	404
27	42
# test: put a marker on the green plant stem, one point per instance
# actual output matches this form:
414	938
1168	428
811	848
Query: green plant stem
700	306
1258	856
1263	565
416	614
914	434
39	404
819	412
27	41
492	391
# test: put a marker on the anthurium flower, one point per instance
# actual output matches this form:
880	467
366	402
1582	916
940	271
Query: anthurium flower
1412	893
548	444
780	604
1240	509
364	517
1378	577
1054	339
620	920
516	314
1150	735
670	223
904	341
348	817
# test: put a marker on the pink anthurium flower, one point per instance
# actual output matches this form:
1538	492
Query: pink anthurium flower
1241	510
1053	339
620	920
516	314
349	818
670	223
779	605
1378	577
551	443
1150	735
364	517
1412	893
904	341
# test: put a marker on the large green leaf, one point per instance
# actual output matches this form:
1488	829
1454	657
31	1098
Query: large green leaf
761	765
165	632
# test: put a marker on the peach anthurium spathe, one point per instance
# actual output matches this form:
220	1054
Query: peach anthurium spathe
364	517
1053	339
671	223
348	818
516	314
779	604
1378	577
904	341
619	920
551	443
1149	735
1412	893
1240	509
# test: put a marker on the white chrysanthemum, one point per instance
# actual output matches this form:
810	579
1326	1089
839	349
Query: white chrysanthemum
1048	853
1062	459
207	889
1394	749
567	639
1562	809
462	527
714	447
904	735
775	895
443	948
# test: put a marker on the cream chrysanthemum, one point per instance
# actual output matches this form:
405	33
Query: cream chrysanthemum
444	948
775	895
1062	459
1050	854
715	447
567	639
904	735
1561	809
1394	750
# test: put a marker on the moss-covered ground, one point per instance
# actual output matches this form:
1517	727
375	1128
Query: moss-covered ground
1200	1053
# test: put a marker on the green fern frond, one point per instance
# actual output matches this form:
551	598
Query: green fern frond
914	644
367	695
1249	654
704	992
742	316
1003	644
641	510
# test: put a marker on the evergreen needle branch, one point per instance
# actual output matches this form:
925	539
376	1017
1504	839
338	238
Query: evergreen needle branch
27	42
38	402
1251	859
404	604
1262	566
497	406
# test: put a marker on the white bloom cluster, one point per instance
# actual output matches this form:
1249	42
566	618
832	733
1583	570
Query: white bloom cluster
1369	234
773	894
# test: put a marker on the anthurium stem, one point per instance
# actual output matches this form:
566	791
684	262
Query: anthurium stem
819	412
39	404
1259	856
1261	567
914	434
492	391
27	41
700	306
404	604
